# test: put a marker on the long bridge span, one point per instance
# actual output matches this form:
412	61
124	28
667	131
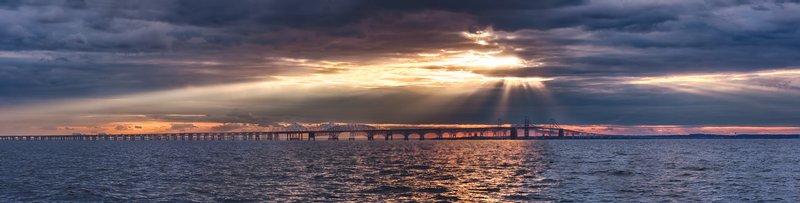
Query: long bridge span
350	132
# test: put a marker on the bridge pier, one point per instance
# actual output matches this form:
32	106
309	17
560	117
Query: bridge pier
294	136
439	133
513	133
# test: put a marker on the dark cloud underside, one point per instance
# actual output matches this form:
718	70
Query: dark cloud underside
76	49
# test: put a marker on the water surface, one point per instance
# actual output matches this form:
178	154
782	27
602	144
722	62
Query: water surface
542	170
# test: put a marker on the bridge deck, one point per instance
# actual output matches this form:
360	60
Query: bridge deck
370	134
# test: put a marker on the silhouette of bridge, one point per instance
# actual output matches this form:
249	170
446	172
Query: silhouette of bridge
337	132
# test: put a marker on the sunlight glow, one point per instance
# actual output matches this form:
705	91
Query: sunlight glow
679	80
481	37
438	69
445	76
469	59
488	60
526	85
714	84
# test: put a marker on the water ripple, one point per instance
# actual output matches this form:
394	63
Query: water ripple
483	171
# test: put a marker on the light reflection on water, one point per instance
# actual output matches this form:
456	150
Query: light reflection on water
486	171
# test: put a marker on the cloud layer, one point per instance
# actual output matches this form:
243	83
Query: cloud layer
226	65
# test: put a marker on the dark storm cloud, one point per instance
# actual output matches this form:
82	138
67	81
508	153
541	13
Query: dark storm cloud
76	76
227	127
51	49
164	25
608	38
107	48
182	127
122	127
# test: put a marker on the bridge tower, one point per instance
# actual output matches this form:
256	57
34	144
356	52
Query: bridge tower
527	127
555	127
513	133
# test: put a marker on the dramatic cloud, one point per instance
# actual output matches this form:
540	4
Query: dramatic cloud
182	127
174	65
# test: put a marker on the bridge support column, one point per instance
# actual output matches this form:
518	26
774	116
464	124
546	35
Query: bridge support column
312	136
513	133
527	132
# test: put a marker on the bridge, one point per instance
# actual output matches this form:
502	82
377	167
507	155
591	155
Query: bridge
337	132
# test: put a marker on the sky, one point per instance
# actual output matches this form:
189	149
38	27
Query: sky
605	66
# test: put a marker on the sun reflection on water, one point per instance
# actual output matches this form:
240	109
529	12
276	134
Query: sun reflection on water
460	171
